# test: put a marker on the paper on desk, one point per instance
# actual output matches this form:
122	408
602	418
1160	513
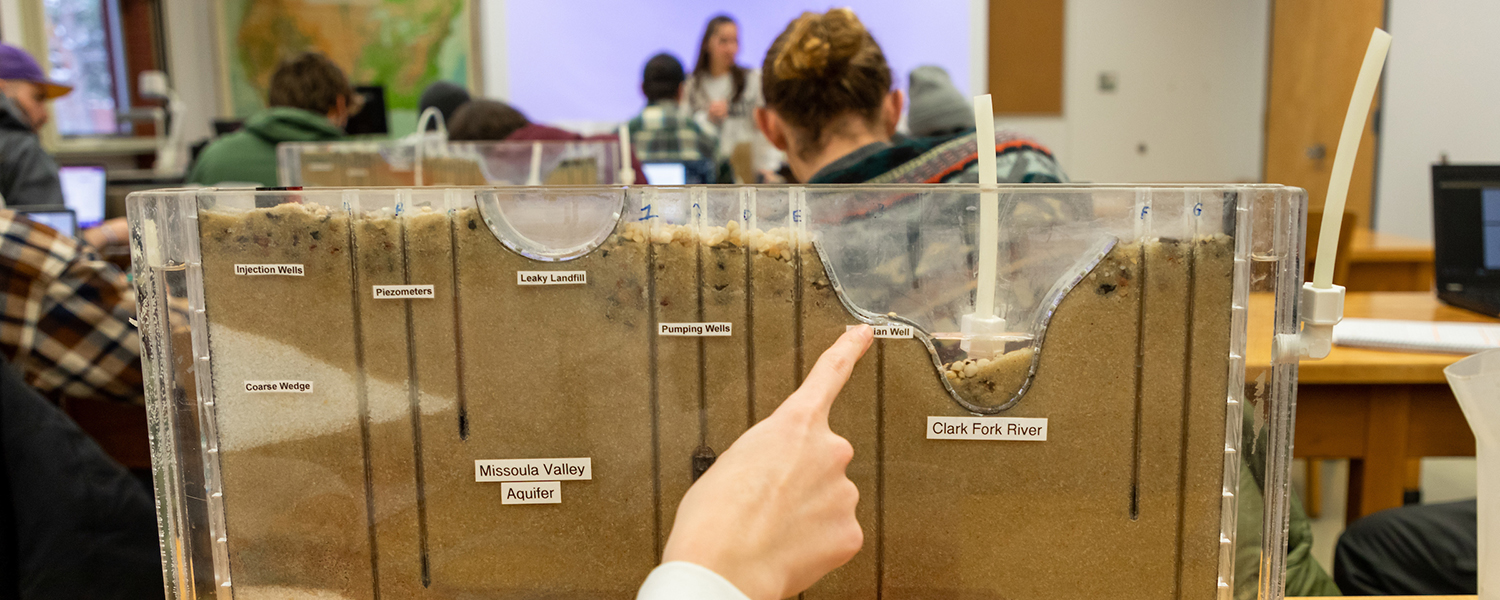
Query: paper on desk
1417	336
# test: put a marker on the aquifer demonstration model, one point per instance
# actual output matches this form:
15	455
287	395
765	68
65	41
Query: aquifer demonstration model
504	392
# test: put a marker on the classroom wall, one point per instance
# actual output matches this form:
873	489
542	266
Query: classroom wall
192	63
1191	88
495	58
1438	98
10	22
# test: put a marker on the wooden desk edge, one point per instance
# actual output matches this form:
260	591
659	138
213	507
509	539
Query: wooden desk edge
1363	366
1366	246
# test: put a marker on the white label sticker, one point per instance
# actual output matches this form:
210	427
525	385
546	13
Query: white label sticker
533	469
890	332
987	428
695	329
284	386
539	492
383	292
293	270
551	277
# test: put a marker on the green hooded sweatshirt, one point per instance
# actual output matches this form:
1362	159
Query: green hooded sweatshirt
249	155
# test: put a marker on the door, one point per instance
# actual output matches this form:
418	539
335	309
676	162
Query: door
1316	50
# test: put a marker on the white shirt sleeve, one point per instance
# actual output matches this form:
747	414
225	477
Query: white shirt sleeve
765	156
679	580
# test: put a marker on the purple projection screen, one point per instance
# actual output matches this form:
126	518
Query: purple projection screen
581	60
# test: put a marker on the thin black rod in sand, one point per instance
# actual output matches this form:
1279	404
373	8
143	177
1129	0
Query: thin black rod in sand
1187	402
651	340
702	352
797	316
458	334
879	468
414	403
750	416
361	390
1140	366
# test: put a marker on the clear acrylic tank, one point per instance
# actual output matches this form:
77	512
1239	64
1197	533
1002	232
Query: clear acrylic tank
504	392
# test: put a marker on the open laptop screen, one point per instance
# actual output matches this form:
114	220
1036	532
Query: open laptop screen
1466	226
83	191
57	217
670	173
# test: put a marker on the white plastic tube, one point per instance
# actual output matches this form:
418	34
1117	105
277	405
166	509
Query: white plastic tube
989	206
627	162
1321	302
534	177
982	329
1476	383
420	139
1343	159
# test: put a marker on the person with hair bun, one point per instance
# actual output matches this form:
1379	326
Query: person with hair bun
830	107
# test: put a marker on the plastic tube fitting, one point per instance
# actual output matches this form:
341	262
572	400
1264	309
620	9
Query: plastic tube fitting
1321	309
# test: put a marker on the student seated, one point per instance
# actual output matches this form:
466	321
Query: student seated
68	327
937	108
27	174
73	522
1423	550
664	131
485	120
830	107
309	101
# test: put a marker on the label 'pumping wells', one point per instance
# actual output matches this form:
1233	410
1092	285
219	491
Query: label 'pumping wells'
695	329
279	386
401	292
551	277
1017	429
533	469
292	270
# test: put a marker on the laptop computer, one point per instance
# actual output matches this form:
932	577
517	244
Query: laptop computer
57	217
83	189
370	120
1466	235
690	172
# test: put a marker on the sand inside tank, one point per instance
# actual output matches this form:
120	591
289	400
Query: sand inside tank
366	486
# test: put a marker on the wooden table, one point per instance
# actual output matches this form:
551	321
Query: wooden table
1386	262
1376	408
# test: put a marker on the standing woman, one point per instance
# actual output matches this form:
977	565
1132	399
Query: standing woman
723	97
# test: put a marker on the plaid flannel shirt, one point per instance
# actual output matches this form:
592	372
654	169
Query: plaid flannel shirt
65	315
665	132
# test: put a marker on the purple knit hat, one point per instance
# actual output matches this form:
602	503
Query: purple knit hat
17	65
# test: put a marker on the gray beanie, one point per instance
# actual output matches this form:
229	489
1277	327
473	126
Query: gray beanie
936	106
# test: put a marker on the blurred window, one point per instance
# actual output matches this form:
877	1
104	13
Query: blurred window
84	45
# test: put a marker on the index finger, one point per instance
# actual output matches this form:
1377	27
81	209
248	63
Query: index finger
832	370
